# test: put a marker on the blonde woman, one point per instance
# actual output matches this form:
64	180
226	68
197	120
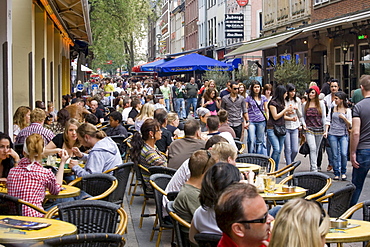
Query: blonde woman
300	223
21	119
146	112
29	179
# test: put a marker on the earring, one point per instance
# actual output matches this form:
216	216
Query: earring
152	137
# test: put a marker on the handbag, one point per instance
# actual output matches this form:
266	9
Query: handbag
304	149
279	130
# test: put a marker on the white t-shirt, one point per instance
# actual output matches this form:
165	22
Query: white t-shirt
205	221
125	113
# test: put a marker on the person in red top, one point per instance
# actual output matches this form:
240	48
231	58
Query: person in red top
243	217
29	179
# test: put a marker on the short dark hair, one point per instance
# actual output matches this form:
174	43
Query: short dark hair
191	127
229	208
213	123
213	140
222	115
135	102
161	115
116	116
91	118
233	83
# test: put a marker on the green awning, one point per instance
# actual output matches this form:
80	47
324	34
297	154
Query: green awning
262	43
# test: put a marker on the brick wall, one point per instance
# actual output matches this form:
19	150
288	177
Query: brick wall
339	8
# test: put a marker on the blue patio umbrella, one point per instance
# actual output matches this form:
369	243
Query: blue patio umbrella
151	66
192	62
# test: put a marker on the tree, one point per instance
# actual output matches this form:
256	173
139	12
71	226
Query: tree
116	25
220	77
292	71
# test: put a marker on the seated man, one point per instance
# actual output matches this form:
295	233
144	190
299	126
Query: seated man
213	124
242	215
181	149
187	200
37	118
116	128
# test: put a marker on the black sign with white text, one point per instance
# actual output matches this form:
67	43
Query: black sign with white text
234	26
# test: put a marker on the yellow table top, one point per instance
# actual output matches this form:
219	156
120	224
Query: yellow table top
56	229
280	195
356	234
69	191
247	167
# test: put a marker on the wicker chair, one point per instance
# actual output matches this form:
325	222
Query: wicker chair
316	183
257	159
119	140
99	185
88	239
207	240
182	238
289	169
10	205
122	173
159	183
241	146
148	193
92	216
338	200
162	170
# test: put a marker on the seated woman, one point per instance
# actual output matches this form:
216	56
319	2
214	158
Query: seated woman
143	150
300	223
173	123
66	140
216	179
146	112
29	179
103	155
8	157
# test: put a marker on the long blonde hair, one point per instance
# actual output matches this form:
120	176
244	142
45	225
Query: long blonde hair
19	117
34	147
147	111
300	223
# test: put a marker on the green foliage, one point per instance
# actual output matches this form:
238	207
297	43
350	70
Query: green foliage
220	77
295	73
243	74
115	26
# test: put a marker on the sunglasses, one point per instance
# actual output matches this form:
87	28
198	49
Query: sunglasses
261	220
235	88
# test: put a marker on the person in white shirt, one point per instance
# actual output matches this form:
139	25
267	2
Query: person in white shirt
213	123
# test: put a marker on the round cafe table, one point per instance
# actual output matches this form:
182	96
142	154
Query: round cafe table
280	195
68	191
57	228
247	167
356	234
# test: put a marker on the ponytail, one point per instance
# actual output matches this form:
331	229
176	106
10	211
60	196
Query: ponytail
137	144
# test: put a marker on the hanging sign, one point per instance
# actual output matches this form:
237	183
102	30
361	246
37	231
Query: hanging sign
242	3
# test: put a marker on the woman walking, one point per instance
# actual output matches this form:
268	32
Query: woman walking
292	124
338	122
257	107
314	115
277	111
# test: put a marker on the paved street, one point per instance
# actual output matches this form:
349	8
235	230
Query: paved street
140	237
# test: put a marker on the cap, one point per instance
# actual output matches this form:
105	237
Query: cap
40	104
316	88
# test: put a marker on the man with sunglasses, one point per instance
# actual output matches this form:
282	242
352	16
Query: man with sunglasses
235	105
242	215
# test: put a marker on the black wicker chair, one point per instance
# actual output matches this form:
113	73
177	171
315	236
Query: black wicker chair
207	240
338	200
315	182
10	205
159	183
99	185
122	173
92	216
87	240
240	145
119	140
257	159
182	238
162	170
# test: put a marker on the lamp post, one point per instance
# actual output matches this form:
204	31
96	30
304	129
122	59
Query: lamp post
345	47
345	81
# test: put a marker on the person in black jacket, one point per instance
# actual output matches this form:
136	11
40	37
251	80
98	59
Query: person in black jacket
116	128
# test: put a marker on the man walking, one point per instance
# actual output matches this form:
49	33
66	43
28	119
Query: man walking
191	90
360	139
234	104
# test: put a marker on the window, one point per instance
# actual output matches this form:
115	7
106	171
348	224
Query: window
320	1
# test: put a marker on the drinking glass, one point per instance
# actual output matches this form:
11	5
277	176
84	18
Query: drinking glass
270	182
263	170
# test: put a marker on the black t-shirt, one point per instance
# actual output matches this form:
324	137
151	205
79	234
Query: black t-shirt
325	89
133	113
58	141
98	113
117	131
165	141
171	129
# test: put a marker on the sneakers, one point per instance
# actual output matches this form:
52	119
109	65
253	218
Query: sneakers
344	177
336	178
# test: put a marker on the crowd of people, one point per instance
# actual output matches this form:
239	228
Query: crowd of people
192	127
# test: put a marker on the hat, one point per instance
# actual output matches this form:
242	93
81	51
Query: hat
316	88
201	111
40	104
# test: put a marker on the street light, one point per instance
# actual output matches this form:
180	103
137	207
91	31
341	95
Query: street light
345	47
159	36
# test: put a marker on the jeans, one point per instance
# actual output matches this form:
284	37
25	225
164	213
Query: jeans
256	137
330	153
313	142
359	174
193	102
291	145
277	143
167	102
180	107
339	146
238	130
